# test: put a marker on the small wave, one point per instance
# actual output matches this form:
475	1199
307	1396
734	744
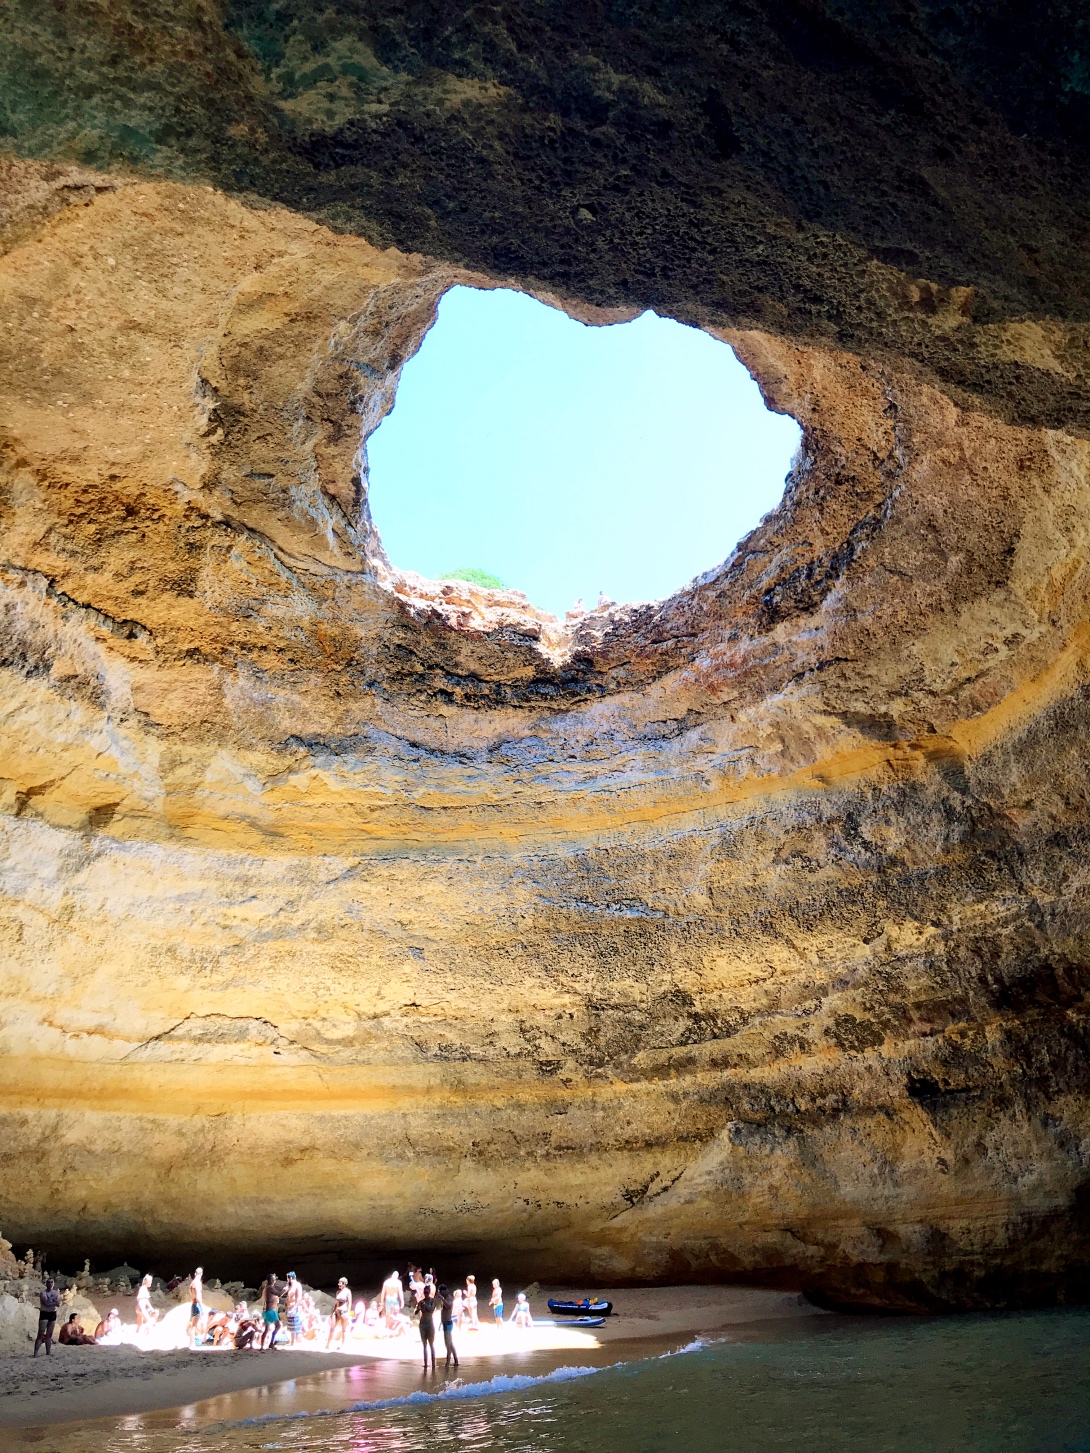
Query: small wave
698	1344
516	1382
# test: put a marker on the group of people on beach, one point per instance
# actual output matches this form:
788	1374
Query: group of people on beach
287	1312
390	1314
72	1333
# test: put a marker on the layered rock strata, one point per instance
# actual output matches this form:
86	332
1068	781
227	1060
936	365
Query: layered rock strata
738	935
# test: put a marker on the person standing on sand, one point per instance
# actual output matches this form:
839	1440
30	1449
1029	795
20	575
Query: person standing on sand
447	1317
270	1315
393	1300
49	1299
495	1301
426	1309
342	1313
146	1314
293	1306
470	1303
195	1325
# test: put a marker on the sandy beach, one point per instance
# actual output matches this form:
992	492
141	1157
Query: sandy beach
99	1382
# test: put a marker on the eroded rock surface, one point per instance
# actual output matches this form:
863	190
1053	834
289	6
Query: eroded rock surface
742	934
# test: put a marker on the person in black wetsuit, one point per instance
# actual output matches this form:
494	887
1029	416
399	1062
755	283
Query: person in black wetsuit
446	1318
49	1299
426	1310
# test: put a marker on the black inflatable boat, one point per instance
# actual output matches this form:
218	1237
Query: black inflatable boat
585	1308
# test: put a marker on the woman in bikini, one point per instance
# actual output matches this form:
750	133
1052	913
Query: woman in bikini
342	1313
470	1303
522	1316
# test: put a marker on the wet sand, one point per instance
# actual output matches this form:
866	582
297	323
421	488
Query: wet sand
80	1383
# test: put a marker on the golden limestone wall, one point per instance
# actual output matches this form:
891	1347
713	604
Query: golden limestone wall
743	935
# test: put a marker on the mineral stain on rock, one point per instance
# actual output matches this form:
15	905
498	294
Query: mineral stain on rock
743	934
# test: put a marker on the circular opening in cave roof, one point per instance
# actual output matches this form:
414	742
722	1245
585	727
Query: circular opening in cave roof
568	461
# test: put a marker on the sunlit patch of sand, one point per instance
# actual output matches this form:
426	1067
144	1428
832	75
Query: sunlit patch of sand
169	1334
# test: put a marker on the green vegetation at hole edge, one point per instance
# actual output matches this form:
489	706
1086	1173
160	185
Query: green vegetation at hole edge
475	577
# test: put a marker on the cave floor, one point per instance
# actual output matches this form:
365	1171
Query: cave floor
82	1383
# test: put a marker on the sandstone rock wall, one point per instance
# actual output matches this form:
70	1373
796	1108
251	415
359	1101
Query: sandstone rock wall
743	934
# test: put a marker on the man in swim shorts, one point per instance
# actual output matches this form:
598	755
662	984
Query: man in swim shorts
49	1299
293	1306
271	1314
195	1325
495	1301
393	1300
446	1320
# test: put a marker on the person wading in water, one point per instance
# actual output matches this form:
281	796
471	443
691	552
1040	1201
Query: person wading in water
447	1318
49	1299
426	1309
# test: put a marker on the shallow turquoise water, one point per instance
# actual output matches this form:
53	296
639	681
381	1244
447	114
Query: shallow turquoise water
1001	1384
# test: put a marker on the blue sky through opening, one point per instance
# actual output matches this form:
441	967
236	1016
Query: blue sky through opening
568	460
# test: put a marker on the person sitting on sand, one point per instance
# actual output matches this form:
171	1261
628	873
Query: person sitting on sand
195	1325
312	1321
109	1324
469	1301
146	1314
246	1328
271	1311
49	1299
495	1301
522	1316
393	1301
342	1314
73	1335
222	1327
293	1307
